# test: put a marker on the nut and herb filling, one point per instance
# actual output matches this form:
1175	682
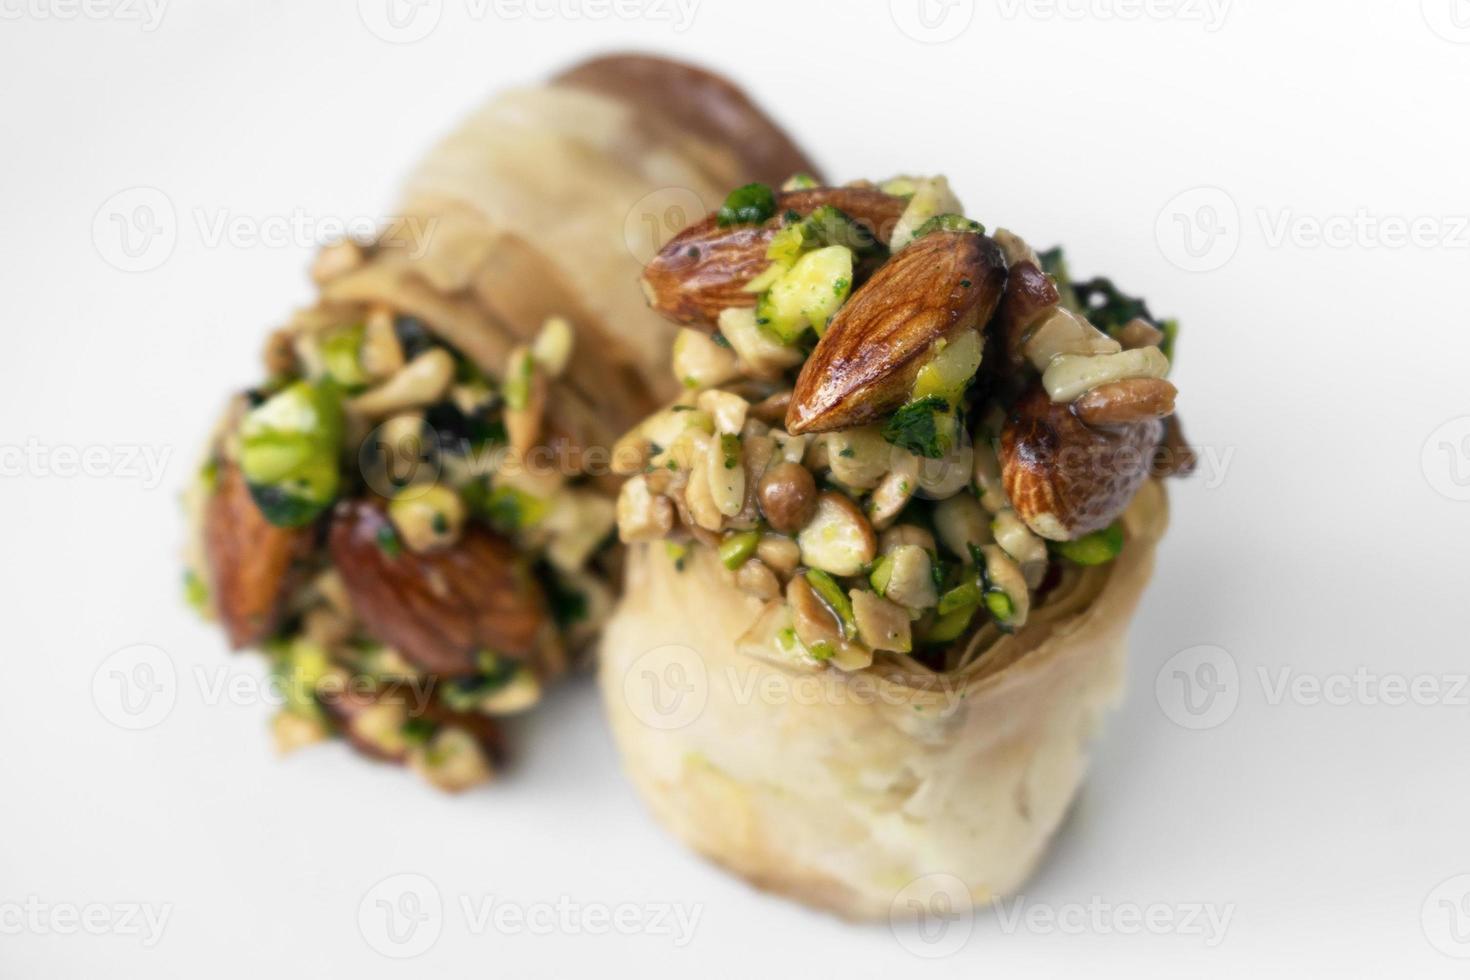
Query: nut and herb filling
386	521
897	428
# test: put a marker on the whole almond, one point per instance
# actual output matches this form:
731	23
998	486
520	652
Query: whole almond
704	269
1066	478
250	560
439	610
864	366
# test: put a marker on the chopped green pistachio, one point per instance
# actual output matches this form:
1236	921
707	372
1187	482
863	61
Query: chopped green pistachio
289	449
822	650
1000	605
299	667
925	427
509	510
949	372
881	575
950	627
949	222
825	226
737	548
748	205
1097	548
678	553
964	596
1171	335
899	186
807	295
836	599
517	388
196	593
341	354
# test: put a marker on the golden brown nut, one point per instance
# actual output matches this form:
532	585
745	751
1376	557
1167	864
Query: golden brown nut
1125	402
443	609
788	496
704	269
1066	478
250	559
1029	294
864	366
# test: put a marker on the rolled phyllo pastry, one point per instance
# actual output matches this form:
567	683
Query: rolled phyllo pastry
412	513
885	546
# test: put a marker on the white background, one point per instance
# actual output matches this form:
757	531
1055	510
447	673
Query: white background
1322	539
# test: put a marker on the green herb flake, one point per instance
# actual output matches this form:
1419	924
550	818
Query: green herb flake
748	205
923	427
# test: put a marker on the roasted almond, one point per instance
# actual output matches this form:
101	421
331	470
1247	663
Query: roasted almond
1066	478
250	559
704	269
1125	402
440	610
864	366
